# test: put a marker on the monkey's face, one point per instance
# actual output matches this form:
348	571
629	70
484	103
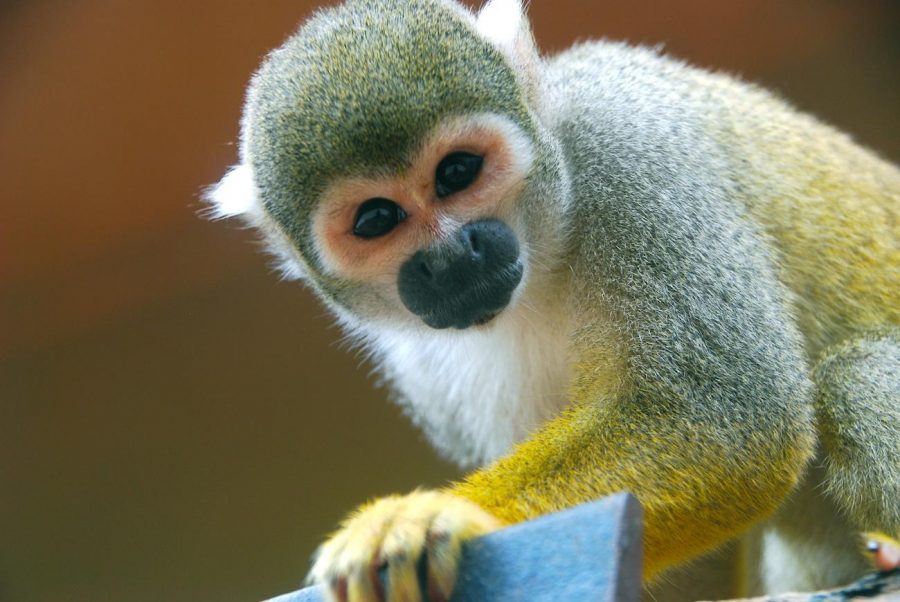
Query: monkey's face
442	238
398	166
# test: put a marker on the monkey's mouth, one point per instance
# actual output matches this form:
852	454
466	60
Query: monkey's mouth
464	281
460	323
477	306
481	320
485	319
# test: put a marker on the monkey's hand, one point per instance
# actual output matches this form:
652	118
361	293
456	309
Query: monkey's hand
384	549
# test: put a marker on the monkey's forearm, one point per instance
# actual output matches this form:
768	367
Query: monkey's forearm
700	482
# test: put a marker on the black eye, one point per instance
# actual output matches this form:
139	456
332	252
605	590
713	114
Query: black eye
455	172
377	217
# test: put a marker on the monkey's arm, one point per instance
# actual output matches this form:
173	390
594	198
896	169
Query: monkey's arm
701	479
709	444
701	472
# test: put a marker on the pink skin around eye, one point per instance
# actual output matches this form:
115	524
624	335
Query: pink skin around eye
377	260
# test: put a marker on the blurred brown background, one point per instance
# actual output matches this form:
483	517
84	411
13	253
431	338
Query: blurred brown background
175	423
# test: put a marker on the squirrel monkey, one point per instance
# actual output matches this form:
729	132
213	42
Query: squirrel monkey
599	271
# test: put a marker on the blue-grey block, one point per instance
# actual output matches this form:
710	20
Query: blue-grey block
307	594
591	552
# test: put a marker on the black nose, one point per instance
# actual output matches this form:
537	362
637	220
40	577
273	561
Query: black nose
463	281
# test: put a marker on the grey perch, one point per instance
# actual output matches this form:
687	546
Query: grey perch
877	587
591	552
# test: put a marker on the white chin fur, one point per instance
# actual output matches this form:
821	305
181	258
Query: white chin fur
479	391
235	194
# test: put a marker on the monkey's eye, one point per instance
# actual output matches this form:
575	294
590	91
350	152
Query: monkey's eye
455	172
377	217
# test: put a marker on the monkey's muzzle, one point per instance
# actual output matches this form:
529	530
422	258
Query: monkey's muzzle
466	280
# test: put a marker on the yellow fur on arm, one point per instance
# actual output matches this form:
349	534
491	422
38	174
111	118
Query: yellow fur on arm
697	483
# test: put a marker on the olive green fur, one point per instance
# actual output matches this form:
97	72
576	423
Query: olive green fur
355	91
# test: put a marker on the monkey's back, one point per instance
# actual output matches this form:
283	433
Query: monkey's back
831	207
828	205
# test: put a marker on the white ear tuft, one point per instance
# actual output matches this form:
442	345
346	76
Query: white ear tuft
501	22
235	194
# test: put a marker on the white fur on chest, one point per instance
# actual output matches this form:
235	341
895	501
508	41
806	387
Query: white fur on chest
476	393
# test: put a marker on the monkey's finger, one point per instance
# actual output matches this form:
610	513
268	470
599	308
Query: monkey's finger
442	560
402	579
362	585
403	547
336	590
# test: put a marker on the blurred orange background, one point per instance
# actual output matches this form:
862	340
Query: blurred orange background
175	423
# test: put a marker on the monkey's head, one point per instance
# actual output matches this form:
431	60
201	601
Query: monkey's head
393	155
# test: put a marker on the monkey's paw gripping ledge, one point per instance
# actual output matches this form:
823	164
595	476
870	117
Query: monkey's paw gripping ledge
591	552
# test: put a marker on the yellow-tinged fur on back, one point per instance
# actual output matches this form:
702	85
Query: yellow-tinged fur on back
831	209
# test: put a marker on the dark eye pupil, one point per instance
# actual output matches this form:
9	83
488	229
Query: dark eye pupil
377	217
455	172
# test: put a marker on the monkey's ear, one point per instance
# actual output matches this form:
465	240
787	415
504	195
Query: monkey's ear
505	25
235	194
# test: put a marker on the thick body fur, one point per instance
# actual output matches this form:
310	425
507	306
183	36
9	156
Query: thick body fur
708	318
